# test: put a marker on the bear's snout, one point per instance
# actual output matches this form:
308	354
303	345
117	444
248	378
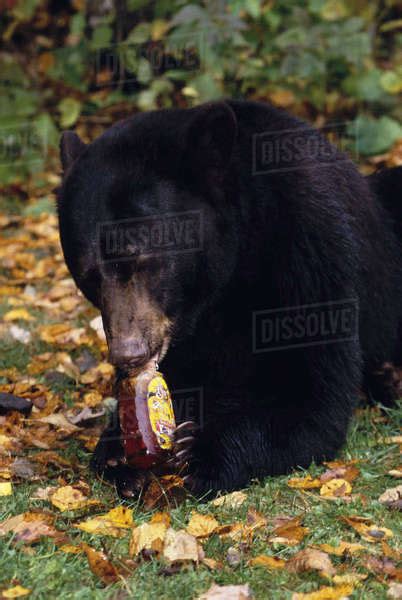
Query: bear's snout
128	352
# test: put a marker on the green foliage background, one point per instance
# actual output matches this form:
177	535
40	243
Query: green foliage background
76	64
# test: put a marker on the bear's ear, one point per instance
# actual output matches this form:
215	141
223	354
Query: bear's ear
210	138
71	147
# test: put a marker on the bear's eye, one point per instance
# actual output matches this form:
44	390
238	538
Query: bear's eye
147	264
123	269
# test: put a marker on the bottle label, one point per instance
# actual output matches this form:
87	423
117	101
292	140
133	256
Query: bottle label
161	413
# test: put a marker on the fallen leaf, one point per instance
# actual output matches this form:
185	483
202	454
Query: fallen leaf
18	314
112	523
100	565
180	546
6	488
326	593
70	498
289	532
396	472
311	559
70	549
390	552
336	488
227	592
349	578
62	333
395	591
384	566
20	334
164	492
148	536
15	592
232	500
102	371
268	562
44	493
395	439
255	520
60	421
212	564
201	526
368	531
30	527
304	483
392	497
235	531
344	548
23	468
349	472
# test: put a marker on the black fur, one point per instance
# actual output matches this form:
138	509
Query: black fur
306	232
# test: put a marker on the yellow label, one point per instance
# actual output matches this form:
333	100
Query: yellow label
161	412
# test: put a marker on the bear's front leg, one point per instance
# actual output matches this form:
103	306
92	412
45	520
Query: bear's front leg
230	452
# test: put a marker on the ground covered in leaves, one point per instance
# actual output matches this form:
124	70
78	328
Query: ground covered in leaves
326	534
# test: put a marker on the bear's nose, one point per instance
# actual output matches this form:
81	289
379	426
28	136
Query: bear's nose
129	353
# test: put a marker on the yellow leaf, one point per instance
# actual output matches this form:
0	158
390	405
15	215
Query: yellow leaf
15	592
70	498
395	439
368	531
92	399
161	517
304	483
336	488
5	473
148	536
5	441
233	500
70	549
343	548
211	563
18	314
349	578
102	371
111	523
6	488
100	565
326	593
397	472
269	562
201	525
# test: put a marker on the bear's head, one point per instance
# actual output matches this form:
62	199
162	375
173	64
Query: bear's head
147	224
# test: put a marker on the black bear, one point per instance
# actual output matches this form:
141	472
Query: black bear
272	283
